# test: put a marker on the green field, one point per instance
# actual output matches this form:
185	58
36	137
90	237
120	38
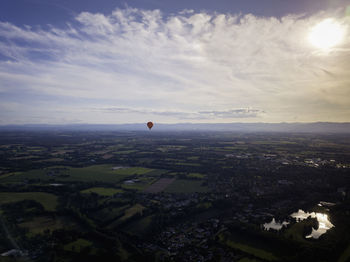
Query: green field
187	164
136	186
274	143
345	256
204	205
103	191
39	225
245	259
78	245
133	171
132	211
186	186
139	227
257	252
8	175
48	201
136	209
110	213
126	152
193	158
195	175
103	173
253	251
295	232
141	184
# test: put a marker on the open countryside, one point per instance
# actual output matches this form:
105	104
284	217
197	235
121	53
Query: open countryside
169	200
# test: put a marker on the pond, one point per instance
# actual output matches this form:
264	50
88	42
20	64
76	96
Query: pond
323	222
322	218
275	225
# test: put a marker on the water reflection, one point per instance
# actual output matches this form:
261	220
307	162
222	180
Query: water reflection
274	225
323	223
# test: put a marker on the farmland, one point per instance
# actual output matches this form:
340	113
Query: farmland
103	191
185	186
134	196
41	224
48	201
103	173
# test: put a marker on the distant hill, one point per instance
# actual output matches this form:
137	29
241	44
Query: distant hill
317	127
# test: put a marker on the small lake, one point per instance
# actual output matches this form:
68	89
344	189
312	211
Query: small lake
323	222
275	225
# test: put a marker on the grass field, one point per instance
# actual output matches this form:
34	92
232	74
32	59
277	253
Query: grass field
245	259
139	227
110	213
78	245
132	211
274	143
195	175
256	252
13	259
103	191
187	164
193	158
133	171
128	213
186	186
136	186
48	201
103	173
160	185
141	184
204	205
125	152
50	160
38	225
295	232
345	256
8	175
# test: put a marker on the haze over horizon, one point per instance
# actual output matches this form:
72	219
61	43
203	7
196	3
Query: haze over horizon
199	62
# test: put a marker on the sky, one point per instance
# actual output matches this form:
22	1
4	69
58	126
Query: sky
113	62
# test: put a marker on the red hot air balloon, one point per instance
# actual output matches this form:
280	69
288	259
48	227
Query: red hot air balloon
149	125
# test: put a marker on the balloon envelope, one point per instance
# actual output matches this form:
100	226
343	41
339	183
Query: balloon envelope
149	125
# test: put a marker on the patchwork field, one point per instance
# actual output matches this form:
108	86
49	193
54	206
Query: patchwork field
108	214
160	185
103	191
39	225
48	201
249	249
195	175
139	227
186	186
102	173
131	196
78	245
137	209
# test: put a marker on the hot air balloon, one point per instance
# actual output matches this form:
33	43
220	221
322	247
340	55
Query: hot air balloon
149	125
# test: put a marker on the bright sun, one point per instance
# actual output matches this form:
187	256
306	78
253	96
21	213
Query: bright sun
326	34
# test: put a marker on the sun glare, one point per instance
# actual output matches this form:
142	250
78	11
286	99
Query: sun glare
326	34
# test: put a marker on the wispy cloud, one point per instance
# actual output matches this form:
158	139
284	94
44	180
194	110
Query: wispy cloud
201	115
188	65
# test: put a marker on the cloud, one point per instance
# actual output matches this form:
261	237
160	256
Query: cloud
234	113
184	66
201	115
